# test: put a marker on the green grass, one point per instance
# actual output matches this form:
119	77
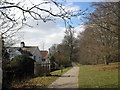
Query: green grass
39	82
98	76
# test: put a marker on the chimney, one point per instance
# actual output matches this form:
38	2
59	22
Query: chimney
22	44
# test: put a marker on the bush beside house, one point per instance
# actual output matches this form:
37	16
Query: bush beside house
20	67
23	64
20	63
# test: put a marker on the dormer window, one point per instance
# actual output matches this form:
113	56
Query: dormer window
22	44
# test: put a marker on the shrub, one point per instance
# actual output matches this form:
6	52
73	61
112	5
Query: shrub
20	67
22	64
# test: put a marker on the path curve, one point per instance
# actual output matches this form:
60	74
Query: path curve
67	80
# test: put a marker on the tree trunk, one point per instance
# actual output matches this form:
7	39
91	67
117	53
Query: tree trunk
106	60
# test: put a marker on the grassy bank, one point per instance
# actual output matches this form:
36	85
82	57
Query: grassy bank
39	82
98	76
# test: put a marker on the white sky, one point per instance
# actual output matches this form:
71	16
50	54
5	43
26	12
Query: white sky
91	0
48	33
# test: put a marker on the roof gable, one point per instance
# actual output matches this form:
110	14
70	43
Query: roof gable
30	49
44	54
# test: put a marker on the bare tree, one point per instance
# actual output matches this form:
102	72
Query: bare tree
100	39
64	52
14	14
69	40
0	51
9	13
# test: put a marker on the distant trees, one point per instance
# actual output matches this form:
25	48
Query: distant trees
63	52
61	55
99	41
69	42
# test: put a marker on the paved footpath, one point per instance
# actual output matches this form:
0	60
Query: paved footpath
68	80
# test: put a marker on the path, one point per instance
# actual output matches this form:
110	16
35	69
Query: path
68	80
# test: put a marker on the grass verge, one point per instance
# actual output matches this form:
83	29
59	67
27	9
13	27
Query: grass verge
98	76
39	82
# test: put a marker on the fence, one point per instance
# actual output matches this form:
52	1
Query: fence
41	68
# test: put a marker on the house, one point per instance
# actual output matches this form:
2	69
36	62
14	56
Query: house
44	55
33	52
13	51
41	64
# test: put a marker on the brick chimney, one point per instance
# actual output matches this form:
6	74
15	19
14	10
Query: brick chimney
22	44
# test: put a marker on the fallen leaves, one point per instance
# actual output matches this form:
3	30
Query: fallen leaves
38	82
103	67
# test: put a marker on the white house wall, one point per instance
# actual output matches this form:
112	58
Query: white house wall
38	56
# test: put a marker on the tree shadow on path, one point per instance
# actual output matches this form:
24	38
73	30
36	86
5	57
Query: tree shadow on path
61	76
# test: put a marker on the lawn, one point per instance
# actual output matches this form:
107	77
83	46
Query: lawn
98	76
39	82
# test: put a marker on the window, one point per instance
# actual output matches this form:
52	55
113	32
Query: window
43	59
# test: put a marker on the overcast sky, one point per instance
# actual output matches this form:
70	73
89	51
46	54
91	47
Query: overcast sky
50	33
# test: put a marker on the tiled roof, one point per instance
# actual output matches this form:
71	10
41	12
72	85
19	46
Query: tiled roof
44	54
13	49
30	49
